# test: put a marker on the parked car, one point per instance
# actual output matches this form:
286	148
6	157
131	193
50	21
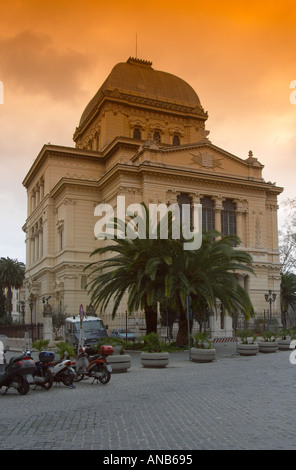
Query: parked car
123	334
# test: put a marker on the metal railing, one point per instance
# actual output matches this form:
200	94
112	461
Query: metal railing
18	330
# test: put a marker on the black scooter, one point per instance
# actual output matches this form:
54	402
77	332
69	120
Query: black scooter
42	374
18	373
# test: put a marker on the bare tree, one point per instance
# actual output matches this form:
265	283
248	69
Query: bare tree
287	238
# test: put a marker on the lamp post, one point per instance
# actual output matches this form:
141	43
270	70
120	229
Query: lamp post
270	297
22	309
31	305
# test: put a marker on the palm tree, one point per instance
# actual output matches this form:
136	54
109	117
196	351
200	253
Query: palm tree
159	270
208	276
12	274
136	268
288	294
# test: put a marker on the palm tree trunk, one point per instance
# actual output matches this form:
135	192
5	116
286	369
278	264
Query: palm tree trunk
151	319
9	301
182	336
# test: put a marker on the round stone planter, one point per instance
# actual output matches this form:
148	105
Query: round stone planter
156	360
247	349
202	355
120	362
268	346
284	344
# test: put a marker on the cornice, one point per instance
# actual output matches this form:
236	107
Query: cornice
117	143
204	143
59	151
74	183
140	101
186	174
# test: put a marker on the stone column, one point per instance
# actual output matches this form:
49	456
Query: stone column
47	322
218	208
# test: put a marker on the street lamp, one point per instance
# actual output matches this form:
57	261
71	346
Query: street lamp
270	297
31	305
22	309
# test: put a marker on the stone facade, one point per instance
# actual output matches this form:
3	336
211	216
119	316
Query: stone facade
142	136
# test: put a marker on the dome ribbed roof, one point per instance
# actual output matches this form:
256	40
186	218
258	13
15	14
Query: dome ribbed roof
137	77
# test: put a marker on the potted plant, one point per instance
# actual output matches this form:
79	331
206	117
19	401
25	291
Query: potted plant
202	350
269	343
284	340
155	352
247	346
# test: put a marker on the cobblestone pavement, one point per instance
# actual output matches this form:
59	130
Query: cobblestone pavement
233	403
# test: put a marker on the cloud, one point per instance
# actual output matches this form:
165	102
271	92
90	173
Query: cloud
31	63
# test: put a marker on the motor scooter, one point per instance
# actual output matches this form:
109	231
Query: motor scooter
63	372
96	366
18	373
43	375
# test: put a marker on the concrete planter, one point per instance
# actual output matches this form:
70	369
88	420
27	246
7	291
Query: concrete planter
247	349
202	355
156	360
120	362
268	346
284	344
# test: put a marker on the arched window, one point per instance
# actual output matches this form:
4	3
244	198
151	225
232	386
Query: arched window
208	215
176	139
228	218
137	133
156	137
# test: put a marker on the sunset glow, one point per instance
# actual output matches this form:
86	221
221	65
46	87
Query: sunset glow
240	58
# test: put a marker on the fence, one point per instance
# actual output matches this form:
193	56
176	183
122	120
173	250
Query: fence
18	331
225	346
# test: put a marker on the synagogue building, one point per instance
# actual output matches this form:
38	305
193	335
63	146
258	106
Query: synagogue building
143	136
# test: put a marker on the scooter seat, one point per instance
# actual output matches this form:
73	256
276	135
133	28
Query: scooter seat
92	358
15	359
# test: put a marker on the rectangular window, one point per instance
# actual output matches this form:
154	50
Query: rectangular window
208	215
228	218
185	199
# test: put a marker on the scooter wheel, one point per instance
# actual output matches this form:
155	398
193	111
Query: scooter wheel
105	377
67	379
24	386
49	380
78	377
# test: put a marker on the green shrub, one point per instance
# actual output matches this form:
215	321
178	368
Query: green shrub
153	343
41	344
245	334
269	336
65	350
202	340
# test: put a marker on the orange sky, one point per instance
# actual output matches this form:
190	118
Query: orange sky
240	57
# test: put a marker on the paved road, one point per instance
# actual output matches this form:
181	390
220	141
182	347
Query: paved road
233	403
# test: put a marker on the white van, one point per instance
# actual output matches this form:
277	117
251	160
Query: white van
93	330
